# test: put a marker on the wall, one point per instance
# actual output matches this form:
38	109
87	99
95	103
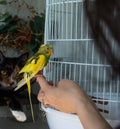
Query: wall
23	12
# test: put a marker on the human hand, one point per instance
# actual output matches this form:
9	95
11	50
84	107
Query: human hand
69	97
65	96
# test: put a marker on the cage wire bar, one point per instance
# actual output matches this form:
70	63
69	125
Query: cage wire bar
75	56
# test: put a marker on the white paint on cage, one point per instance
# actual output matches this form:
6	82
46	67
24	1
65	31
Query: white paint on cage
76	57
64	16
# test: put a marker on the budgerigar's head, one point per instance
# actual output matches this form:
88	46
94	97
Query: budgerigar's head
46	49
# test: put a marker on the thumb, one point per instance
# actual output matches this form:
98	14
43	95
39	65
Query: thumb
41	96
42	82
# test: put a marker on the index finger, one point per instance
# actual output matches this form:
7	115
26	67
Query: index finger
42	82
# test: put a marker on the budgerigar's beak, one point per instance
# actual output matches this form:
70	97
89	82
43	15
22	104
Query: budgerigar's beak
52	52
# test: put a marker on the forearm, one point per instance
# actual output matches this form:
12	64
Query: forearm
90	116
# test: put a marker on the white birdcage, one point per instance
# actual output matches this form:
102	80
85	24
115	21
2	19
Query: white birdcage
75	56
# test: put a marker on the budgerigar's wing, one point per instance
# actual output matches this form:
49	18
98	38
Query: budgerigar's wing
31	62
35	67
21	83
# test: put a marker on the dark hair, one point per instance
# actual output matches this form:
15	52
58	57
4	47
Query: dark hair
106	14
118	127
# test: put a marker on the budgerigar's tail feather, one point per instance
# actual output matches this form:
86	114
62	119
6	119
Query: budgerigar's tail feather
22	83
31	106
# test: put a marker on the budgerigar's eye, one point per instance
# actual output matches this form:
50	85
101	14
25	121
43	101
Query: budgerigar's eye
3	72
47	48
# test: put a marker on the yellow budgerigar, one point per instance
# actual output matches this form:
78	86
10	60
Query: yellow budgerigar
33	65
